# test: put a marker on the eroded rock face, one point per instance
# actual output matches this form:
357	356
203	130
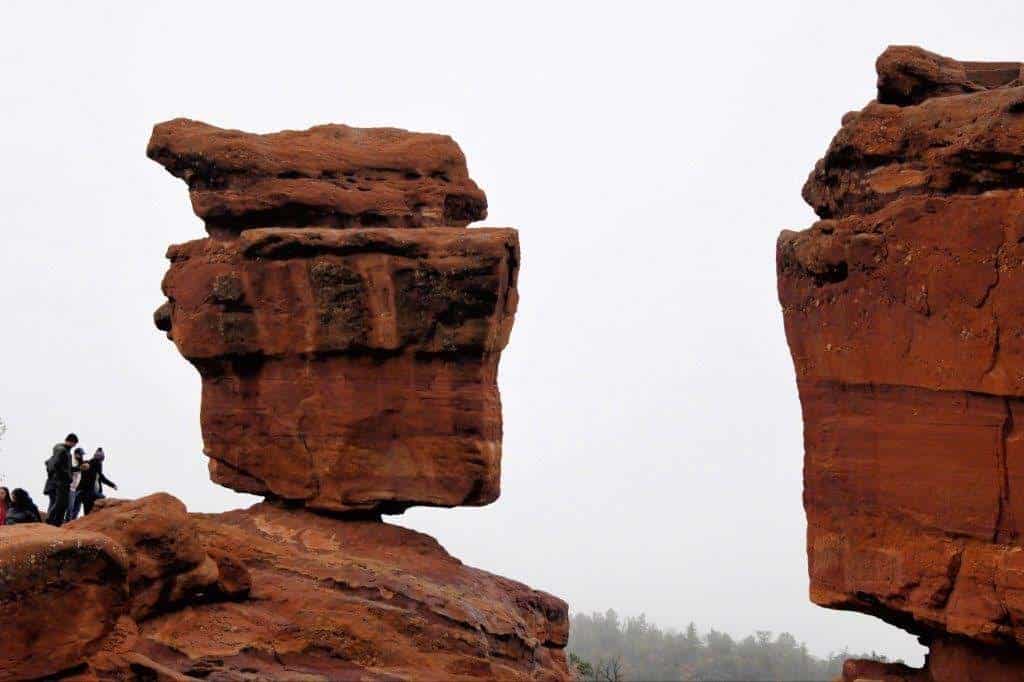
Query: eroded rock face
61	592
334	599
349	361
904	312
327	176
168	562
352	370
291	596
949	659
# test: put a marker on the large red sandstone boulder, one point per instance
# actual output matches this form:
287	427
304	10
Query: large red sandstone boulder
168	560
350	370
361	600
327	176
61	592
904	312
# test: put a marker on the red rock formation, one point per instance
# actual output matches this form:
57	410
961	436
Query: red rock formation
349	364
349	369
327	176
61	593
324	599
169	564
334	599
904	311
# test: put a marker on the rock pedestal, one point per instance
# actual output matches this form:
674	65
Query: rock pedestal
904	312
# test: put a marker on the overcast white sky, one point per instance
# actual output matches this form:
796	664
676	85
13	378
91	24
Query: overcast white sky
648	153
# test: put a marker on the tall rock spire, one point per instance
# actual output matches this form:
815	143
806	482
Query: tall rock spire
904	312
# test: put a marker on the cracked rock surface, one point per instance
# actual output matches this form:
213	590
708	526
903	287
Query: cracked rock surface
904	313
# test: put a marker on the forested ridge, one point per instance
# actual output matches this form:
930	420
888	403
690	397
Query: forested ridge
607	648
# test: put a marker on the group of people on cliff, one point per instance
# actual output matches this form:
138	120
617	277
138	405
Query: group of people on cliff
73	484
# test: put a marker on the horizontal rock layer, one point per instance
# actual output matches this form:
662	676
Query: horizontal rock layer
328	176
351	370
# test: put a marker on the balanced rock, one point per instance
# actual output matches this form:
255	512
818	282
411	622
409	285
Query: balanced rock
61	593
904	312
347	328
327	176
351	370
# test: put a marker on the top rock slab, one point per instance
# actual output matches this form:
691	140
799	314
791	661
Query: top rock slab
327	176
909	75
938	127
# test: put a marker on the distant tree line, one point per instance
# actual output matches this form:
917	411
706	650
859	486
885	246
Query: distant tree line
605	648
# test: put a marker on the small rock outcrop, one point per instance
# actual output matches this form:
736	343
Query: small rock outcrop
168	562
61	594
904	312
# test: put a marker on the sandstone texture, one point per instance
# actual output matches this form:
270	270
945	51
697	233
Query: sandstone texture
351	370
168	562
334	599
349	363
327	176
904	312
324	599
61	593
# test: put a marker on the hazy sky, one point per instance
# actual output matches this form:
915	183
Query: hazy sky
649	156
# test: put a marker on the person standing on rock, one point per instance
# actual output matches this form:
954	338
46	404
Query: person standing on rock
74	499
22	509
5	503
58	480
90	487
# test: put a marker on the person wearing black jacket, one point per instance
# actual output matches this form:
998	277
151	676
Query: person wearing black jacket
90	485
22	509
59	470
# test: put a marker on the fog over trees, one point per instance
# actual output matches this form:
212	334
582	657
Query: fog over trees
607	648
